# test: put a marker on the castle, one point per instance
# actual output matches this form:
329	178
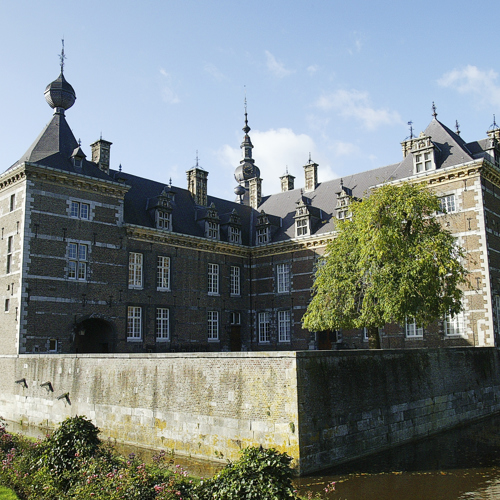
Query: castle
94	259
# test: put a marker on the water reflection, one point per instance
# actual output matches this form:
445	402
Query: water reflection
460	464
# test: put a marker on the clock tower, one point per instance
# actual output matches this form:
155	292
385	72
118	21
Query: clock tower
247	169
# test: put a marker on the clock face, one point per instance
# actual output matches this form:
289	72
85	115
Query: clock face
248	170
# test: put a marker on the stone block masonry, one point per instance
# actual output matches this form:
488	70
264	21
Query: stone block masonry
321	407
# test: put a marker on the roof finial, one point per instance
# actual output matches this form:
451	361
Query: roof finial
434	113
494	125
310	158
170	182
410	124
287	170
120	168
341	182
246	128
62	57
196	158
457	127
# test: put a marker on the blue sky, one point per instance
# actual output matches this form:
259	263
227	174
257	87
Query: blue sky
162	80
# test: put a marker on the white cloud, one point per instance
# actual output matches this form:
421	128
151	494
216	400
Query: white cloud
472	80
356	104
274	151
357	43
275	67
212	70
312	69
168	94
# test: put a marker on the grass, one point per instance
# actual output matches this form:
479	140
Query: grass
7	494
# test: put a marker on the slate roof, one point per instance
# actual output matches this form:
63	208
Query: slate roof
185	213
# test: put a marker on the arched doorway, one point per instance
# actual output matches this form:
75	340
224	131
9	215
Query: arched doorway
94	335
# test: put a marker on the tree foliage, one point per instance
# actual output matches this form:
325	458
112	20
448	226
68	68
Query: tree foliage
391	261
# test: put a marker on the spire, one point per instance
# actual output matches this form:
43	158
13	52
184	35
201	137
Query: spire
62	57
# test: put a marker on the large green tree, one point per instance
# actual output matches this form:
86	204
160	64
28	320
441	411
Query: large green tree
391	261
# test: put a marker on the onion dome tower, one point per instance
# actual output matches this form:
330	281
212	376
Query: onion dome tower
247	169
59	94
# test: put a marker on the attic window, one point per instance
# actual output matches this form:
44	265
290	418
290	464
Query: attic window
262	235
212	230
302	227
163	220
77	162
423	162
234	234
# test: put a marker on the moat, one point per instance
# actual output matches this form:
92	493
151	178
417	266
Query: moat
463	463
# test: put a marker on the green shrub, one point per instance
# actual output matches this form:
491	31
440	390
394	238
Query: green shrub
259	474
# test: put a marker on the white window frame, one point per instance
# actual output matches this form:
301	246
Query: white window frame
235	318
264	327
283	278
262	235
454	326
235	289
413	331
212	229
135	268
284	326
213	279
79	210
448	204
163	220
77	261
302	227
162	324
134	323
10	245
234	235
163	274
213	326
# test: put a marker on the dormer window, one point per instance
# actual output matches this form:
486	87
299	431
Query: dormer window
212	230
234	235
262	235
344	198
164	220
423	154
302	227
423	162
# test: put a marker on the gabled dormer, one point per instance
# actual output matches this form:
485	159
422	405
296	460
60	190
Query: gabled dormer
77	157
423	151
234	228
302	217
212	223
262	229
160	208
344	198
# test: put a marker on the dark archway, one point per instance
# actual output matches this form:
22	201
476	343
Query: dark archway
94	335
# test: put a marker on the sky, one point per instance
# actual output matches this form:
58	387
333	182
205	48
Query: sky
166	81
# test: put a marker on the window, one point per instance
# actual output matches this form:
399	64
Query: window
235	280
448	204
134	322
79	210
212	230
284	326
264	327
262	235
213	279
412	330
365	334
235	318
343	214
302	227
283	278
234	234
7	305
213	325
77	261
163	274
163	220
454	325
12	202
423	162
52	345
162	324
10	241
135	270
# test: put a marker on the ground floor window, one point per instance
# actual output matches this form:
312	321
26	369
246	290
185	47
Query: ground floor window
213	325
162	324
134	322
264	327
284	326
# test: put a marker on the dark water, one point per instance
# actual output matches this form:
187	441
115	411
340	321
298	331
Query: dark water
460	464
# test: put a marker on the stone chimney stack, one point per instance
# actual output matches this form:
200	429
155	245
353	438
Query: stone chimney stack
255	188
197	184
311	175
100	154
287	182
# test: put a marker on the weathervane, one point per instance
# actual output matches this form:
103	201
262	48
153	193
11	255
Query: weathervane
457	127
410	124
62	56
494	125
434	113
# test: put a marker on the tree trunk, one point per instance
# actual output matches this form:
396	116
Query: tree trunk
373	338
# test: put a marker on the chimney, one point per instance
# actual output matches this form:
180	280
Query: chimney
287	182
311	175
255	188
100	154
197	185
